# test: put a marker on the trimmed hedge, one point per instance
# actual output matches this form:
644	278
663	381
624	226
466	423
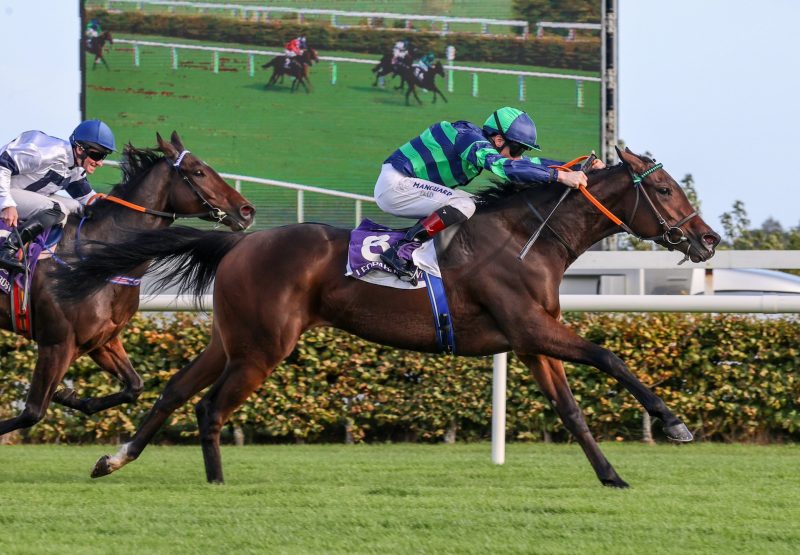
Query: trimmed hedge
731	378
548	52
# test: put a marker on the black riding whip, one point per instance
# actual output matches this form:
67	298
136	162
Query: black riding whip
535	236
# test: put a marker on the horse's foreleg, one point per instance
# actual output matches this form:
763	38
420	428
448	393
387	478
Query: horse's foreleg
543	334
549	374
191	379
50	368
113	359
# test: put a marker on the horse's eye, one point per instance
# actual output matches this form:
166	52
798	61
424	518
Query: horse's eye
664	190
198	173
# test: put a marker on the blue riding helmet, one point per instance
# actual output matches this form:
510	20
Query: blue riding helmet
513	125
94	132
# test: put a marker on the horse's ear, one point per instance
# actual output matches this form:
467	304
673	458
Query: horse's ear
631	159
176	141
165	147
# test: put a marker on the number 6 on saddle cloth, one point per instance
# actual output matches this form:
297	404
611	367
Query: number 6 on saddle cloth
369	240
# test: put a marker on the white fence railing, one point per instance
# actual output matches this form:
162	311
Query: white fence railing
300	189
251	54
255	12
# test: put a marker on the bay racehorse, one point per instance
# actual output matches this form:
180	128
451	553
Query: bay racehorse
158	187
424	80
96	46
297	69
273	285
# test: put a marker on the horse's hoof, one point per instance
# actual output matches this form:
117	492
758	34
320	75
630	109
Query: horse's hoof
102	467
678	432
617	482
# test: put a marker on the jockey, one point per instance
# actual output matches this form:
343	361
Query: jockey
33	167
93	29
294	47
92	32
399	51
419	179
423	64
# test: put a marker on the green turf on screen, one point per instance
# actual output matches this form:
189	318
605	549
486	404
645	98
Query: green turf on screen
335	137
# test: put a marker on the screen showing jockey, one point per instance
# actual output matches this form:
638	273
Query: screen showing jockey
419	179
33	167
294	47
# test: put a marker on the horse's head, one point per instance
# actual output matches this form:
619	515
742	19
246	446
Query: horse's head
310	55
438	68
197	188
662	213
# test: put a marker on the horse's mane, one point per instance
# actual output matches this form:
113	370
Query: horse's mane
502	190
136	162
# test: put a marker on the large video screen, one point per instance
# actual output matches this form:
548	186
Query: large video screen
216	73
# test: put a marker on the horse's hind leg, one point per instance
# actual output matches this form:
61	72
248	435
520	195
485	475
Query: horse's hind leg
191	379
549	374
113	359
241	378
50	368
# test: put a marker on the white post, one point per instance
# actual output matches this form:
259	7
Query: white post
579	86
238	185
300	215
358	212
499	366
174	58
521	88
450	52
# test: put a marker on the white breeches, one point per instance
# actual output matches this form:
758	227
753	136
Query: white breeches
412	197
28	203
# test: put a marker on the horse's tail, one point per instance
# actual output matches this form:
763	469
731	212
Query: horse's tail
183	256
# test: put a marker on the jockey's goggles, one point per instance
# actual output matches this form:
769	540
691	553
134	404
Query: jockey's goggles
516	149
94	154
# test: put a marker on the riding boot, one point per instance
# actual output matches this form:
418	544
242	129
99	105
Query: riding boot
419	233
32	227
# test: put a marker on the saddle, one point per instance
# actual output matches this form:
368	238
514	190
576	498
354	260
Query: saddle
41	247
369	240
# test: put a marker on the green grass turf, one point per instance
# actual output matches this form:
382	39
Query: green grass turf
403	499
335	137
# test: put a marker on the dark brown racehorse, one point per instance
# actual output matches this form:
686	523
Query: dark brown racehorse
161	190
424	80
273	285
385	67
298	69
97	45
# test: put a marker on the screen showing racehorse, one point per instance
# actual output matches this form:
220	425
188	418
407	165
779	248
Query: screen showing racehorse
287	97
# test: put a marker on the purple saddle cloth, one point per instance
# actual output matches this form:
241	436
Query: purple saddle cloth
367	242
43	241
